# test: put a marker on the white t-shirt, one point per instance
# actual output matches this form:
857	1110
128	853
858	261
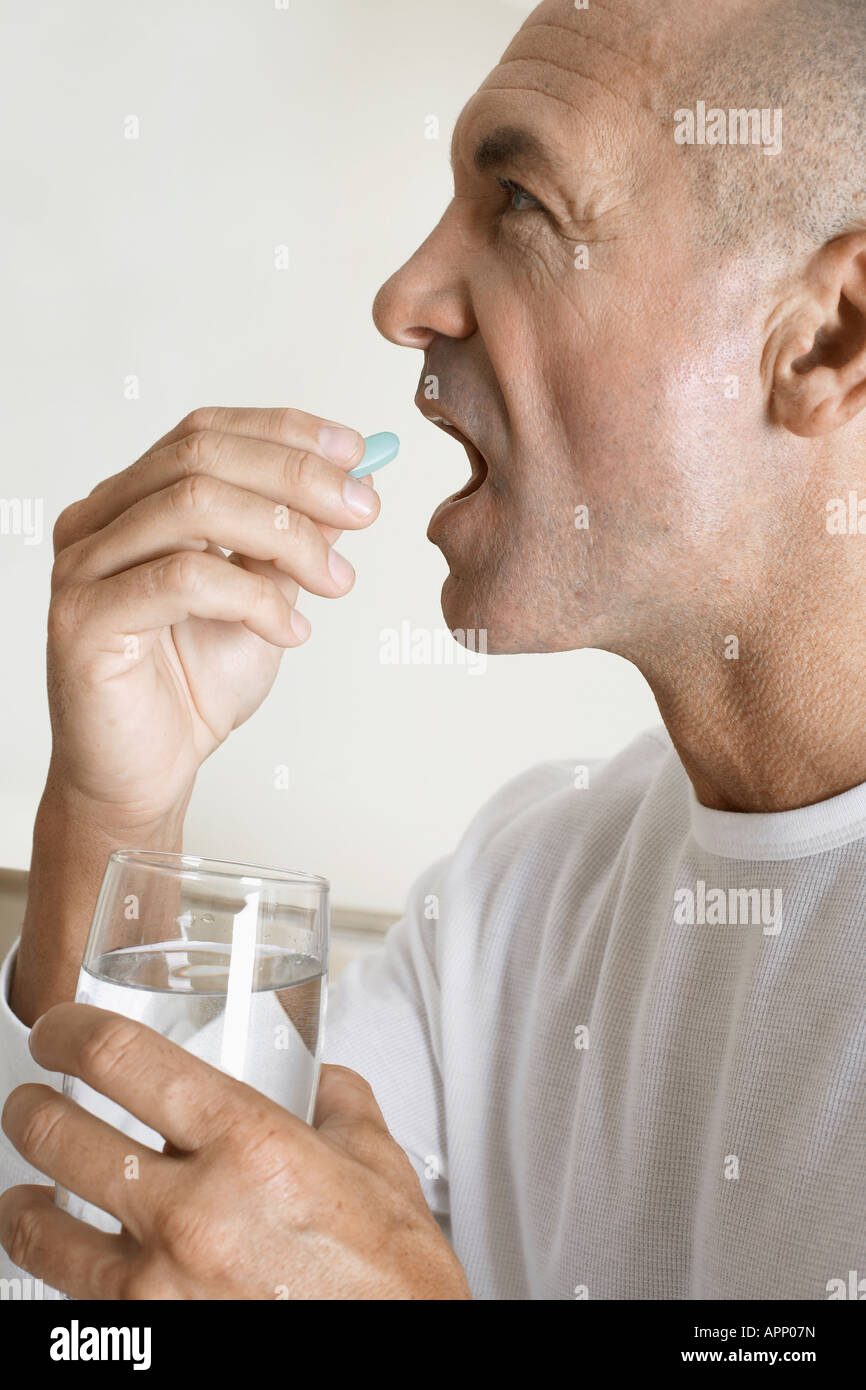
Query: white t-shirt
622	1039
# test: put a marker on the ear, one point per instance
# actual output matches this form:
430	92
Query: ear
816	352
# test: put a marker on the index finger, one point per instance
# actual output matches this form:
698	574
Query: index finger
284	455
187	1101
277	425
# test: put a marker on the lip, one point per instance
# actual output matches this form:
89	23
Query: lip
477	461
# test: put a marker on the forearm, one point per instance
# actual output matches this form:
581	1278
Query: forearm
71	845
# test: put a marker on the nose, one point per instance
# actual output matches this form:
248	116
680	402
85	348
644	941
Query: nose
429	295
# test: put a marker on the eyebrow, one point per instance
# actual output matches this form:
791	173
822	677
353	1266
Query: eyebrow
507	144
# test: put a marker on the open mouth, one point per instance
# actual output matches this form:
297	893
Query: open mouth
475	456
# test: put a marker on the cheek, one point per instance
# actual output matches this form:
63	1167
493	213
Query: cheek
579	433
611	418
621	406
572	385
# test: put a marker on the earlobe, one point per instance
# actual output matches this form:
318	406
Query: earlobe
818	346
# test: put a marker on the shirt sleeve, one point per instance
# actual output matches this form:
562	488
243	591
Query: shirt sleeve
17	1066
384	1021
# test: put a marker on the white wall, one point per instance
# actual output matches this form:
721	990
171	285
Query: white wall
155	257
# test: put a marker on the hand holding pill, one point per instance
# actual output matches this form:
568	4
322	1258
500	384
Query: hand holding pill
196	554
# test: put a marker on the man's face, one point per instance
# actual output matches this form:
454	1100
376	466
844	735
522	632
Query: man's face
591	353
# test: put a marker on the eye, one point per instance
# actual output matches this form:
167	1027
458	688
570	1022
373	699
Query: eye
521	201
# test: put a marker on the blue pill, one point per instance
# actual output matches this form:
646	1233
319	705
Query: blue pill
381	449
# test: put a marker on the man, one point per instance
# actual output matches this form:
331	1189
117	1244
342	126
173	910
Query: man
619	1032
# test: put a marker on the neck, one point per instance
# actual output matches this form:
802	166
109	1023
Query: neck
779	725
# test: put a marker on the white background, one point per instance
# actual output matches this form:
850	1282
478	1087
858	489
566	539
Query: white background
261	127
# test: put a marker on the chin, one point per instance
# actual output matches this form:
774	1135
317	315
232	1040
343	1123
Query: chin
468	605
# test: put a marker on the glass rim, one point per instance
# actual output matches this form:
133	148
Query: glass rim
196	866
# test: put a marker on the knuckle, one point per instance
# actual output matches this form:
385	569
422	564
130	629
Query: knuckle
64	615
403	1176
349	1076
198	451
144	1282
40	1125
184	571
299	531
67	526
107	1273
60	570
299	470
192	451
200	420
24	1237
369	1138
264	592
66	563
109	1047
185	1229
265	1152
194	493
281	422
177	1100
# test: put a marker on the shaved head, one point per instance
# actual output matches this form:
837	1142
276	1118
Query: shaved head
807	60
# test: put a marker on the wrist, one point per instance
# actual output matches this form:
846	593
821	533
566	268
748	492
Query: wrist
72	840
106	823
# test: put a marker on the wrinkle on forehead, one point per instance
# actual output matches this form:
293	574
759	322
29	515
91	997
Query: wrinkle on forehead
584	81
654	35
586	63
599	42
627	48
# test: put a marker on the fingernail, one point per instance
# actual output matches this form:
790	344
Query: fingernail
341	570
338	443
300	624
357	497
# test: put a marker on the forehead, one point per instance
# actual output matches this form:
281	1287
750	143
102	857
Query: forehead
580	81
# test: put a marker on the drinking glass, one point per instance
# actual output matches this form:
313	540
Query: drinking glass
227	960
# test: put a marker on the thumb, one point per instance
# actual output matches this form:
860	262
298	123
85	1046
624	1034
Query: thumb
348	1116
345	1099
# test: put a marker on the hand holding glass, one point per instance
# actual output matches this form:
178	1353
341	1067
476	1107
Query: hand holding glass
227	960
